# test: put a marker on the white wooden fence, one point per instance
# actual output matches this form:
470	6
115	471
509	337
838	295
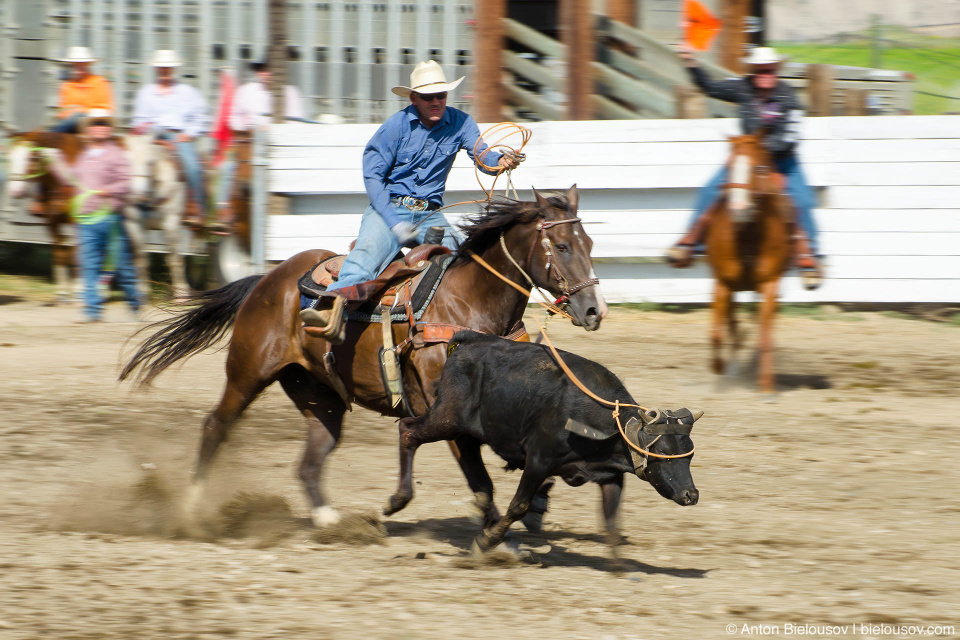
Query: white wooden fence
888	189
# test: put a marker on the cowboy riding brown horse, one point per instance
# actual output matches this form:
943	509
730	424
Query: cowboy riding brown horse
748	248
39	158
480	290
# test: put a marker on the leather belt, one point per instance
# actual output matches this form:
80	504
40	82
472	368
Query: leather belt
415	204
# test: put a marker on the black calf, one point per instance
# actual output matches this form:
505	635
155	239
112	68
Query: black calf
513	397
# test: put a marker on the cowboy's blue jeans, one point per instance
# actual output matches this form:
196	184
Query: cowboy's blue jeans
94	240
797	188
187	152
70	124
376	245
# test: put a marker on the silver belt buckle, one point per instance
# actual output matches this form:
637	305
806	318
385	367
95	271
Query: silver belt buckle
414	204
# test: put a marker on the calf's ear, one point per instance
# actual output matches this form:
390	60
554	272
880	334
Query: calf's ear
586	431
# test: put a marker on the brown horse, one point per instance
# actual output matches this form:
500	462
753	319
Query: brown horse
748	248
39	158
269	344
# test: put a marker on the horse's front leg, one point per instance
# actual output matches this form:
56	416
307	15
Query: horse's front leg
768	312
722	297
170	212
133	226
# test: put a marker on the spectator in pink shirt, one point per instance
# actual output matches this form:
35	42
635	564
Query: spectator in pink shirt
102	174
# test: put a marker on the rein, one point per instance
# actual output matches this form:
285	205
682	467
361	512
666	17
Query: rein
615	404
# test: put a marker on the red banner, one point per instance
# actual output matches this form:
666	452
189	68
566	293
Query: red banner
699	25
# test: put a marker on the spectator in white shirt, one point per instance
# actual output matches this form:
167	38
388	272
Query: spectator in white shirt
252	107
175	112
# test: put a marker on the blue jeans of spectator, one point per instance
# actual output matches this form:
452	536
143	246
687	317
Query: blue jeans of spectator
70	124
376	245
227	172
187	152
797	188
94	241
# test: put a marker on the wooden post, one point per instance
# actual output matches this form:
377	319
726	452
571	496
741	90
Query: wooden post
691	103
489	46
733	38
624	11
576	26
277	60
855	102
819	90
277	56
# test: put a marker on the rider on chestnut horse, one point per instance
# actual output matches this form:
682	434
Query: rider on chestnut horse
405	169
764	102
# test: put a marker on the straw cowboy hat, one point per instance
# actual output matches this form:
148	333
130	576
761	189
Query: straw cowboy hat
79	54
165	58
95	115
426	78
763	55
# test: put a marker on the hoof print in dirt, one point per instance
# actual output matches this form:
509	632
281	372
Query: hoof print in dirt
353	528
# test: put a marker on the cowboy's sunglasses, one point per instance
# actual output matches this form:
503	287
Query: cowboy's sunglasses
430	97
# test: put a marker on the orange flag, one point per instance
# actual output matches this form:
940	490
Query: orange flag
699	25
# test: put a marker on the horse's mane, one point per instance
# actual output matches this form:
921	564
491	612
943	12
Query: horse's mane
483	229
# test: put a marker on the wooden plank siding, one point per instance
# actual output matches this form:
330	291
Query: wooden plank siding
888	191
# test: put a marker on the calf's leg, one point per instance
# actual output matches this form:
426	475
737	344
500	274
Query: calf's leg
610	493
533	476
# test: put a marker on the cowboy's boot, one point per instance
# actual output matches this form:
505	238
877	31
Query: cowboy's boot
192	216
811	272
331	323
680	255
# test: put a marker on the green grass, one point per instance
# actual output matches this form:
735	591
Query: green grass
936	66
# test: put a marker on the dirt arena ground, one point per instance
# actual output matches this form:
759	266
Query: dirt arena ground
831	511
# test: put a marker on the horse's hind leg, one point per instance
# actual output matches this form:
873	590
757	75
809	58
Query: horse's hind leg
768	312
323	409
236	397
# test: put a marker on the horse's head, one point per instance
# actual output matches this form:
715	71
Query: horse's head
560	261
26	163
750	175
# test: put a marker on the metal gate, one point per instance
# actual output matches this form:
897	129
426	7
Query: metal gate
344	56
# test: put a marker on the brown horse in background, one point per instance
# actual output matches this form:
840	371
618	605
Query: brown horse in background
40	159
269	343
748	248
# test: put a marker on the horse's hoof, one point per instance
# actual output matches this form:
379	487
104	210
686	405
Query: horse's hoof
324	516
395	503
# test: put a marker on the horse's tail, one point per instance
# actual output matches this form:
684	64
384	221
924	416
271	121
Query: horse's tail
204	319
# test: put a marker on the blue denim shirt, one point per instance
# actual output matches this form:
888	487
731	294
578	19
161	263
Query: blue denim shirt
404	158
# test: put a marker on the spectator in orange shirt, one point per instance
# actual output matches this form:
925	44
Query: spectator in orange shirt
83	93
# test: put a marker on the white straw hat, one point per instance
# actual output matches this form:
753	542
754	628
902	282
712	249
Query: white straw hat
95	114
764	55
165	58
79	54
426	78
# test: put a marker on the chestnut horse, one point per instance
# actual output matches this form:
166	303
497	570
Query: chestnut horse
269	344
748	248
41	159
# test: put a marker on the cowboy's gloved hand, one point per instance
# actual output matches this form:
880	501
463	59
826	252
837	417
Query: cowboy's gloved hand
405	232
510	160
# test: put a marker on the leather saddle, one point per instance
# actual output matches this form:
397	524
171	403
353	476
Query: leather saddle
408	280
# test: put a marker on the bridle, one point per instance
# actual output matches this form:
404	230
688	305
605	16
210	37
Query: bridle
552	267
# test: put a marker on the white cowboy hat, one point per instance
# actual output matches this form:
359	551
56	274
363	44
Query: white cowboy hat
79	54
763	55
95	114
426	78
165	58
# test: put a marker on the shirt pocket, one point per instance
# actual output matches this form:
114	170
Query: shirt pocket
447	149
